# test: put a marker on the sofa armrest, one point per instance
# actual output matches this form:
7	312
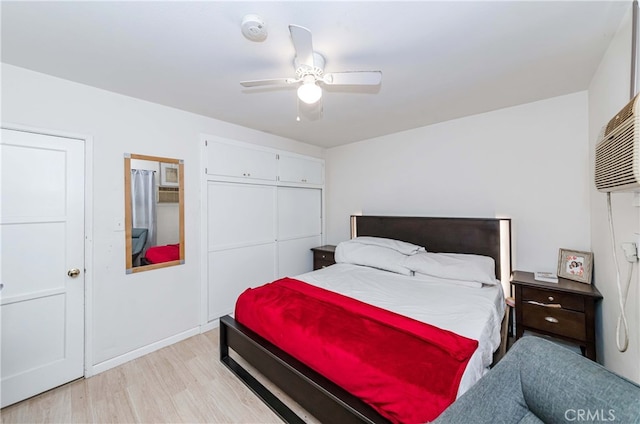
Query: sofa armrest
540	379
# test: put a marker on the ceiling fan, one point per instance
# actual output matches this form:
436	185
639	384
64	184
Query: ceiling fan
309	71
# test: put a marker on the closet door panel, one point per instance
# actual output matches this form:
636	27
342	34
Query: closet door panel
240	214
297	169
232	160
299	212
234	270
295	256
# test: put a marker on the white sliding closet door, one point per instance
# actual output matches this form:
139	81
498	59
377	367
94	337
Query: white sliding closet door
264	214
241	241
299	228
233	271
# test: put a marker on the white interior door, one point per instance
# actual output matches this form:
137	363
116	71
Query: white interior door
42	244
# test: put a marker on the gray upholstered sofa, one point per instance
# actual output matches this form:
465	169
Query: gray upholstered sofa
138	240
538	381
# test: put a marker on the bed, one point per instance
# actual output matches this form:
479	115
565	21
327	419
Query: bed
328	401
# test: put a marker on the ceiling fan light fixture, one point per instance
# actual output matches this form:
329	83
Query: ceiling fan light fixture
309	92
310	77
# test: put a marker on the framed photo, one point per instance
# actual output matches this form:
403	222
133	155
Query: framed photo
575	265
169	174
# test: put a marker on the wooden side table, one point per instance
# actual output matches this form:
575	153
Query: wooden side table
564	310
323	256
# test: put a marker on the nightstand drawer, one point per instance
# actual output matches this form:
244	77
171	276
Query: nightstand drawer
323	256
555	320
317	264
568	301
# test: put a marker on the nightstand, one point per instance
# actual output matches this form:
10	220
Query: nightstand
323	256
564	310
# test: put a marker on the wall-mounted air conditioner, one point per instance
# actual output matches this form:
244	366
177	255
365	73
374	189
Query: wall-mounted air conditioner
618	151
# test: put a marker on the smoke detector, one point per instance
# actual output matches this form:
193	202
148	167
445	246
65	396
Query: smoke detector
254	28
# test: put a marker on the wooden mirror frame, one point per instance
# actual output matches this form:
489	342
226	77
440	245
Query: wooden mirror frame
127	212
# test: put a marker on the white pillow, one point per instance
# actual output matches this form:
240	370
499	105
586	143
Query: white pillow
370	255
487	263
453	266
397	245
432	279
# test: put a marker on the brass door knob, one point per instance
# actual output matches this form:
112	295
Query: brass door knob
73	273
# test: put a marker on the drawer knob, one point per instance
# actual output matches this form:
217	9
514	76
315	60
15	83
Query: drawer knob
324	256
551	299
551	320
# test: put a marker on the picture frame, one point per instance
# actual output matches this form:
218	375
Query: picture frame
575	265
169	176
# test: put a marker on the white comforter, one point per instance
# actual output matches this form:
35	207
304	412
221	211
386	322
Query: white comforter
472	312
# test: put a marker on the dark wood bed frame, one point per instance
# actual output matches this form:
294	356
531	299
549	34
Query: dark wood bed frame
320	397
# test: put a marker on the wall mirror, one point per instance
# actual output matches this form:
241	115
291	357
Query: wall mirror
154	212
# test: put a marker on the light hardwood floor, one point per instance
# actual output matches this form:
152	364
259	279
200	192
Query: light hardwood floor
181	383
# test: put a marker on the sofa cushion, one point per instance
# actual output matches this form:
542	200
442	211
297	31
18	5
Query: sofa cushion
530	418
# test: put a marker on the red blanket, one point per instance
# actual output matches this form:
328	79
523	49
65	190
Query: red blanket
407	370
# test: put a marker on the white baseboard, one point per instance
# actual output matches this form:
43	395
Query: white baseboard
134	354
210	325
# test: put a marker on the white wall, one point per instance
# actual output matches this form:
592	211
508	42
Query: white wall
129	312
608	93
168	216
528	163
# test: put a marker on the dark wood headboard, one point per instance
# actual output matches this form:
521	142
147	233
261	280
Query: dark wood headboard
480	236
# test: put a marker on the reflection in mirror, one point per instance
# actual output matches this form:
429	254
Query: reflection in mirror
154	212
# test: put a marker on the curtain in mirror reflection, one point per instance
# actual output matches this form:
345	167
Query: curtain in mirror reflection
143	211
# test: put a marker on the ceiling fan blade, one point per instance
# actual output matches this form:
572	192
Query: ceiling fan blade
301	38
275	81
353	78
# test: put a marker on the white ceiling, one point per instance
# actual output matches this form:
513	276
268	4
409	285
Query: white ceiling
440	59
